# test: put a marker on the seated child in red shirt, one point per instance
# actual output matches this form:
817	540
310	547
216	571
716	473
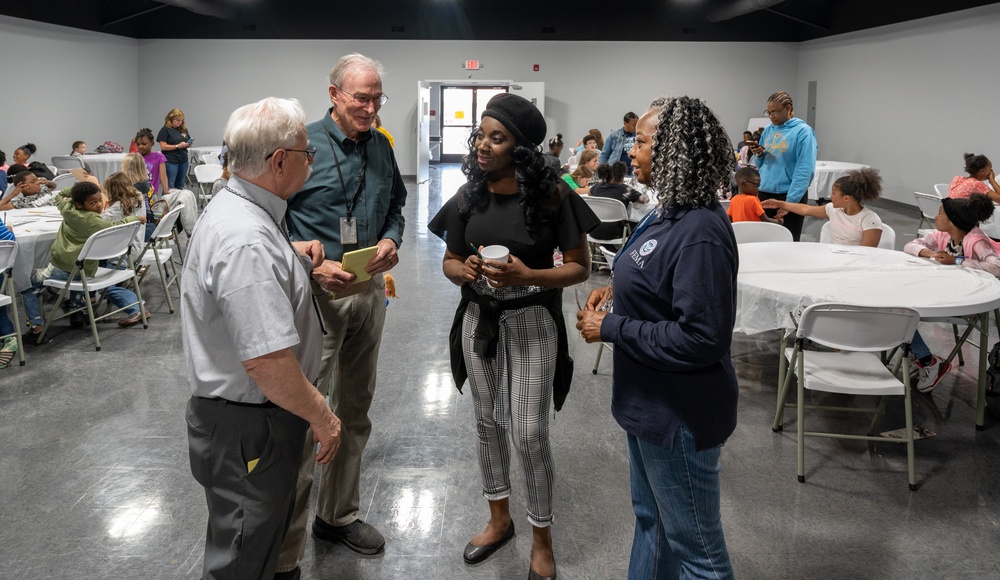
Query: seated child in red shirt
745	205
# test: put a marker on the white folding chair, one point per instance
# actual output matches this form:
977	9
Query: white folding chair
609	257
206	175
941	189
858	333
211	157
66	162
887	241
158	252
8	253
110	243
929	206
53	170
753	232
64	180
609	211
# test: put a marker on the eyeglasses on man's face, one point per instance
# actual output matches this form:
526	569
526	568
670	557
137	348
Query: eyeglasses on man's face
310	152
363	99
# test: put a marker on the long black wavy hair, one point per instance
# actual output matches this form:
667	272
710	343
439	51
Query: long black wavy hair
537	182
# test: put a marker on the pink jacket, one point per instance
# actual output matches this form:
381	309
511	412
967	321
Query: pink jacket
980	250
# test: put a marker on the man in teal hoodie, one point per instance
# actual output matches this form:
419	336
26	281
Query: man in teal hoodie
785	157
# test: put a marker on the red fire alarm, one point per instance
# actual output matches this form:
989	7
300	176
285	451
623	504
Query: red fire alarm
536	68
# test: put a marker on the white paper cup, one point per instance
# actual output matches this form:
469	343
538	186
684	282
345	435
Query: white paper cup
495	254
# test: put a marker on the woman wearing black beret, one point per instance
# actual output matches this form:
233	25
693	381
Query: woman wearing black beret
509	336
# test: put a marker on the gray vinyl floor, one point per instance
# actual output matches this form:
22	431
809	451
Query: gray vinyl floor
95	481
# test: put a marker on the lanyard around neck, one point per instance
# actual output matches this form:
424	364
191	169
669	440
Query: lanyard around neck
351	201
639	228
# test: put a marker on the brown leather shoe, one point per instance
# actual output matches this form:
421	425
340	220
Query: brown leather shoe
133	320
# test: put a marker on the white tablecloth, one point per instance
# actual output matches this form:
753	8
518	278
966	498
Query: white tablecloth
35	230
777	279
826	173
104	164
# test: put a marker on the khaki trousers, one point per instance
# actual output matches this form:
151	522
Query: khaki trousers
350	360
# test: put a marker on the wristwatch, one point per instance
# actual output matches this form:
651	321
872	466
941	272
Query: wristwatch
959	260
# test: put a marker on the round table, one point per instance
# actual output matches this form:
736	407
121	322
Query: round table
777	280
35	230
102	165
826	173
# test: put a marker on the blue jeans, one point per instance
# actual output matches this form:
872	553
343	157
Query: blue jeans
177	175
675	496
918	347
6	326
32	306
117	295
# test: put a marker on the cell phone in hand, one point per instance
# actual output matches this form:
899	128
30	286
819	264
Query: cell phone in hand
191	140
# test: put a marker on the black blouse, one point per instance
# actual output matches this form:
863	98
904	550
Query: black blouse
502	222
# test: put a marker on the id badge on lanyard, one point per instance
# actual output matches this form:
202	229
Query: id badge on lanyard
348	230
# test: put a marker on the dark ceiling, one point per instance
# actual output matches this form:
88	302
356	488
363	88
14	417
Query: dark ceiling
645	20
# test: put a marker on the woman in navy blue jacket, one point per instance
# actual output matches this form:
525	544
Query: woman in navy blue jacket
674	305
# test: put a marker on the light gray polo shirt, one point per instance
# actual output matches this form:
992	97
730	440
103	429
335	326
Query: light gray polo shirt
244	293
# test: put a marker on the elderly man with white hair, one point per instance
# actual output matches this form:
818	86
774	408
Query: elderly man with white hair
253	343
353	199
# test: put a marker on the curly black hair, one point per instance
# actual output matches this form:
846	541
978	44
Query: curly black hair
537	182
861	184
145	132
692	153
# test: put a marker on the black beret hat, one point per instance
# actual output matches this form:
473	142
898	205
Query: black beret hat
519	116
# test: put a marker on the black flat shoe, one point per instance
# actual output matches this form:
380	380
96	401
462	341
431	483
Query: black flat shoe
475	554
532	575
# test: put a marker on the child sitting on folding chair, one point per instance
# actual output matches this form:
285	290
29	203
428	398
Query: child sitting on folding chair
124	200
958	241
81	211
851	223
745	205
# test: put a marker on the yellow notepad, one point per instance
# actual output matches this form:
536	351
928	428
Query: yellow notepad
355	263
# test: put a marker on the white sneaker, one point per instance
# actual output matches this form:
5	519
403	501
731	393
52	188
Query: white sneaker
930	374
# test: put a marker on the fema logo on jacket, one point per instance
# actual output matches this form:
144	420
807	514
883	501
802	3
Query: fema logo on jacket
638	256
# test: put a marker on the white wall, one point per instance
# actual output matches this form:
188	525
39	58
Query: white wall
908	99
588	84
61	85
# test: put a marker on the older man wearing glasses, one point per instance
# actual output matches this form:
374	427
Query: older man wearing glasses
785	157
353	200
253	345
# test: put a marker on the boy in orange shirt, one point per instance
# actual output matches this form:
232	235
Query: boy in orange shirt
745	205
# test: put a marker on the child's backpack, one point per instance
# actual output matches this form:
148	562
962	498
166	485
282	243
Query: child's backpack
993	380
110	147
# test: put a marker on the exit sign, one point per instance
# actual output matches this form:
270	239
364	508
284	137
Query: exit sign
473	65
